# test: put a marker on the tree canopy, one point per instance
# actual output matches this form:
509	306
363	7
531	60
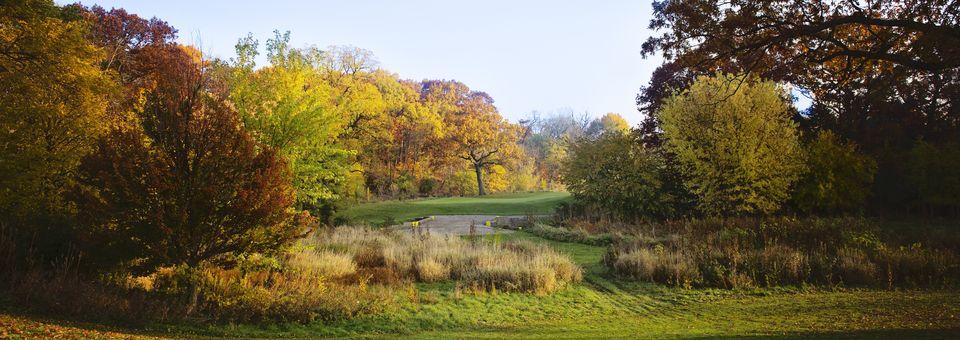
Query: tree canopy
738	149
882	74
52	106
186	185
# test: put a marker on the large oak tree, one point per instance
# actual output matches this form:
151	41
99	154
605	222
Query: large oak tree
475	131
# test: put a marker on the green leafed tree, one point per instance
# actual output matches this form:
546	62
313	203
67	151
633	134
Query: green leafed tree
735	142
838	177
288	105
616	173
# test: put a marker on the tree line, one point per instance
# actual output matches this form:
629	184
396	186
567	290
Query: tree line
146	153
721	137
143	152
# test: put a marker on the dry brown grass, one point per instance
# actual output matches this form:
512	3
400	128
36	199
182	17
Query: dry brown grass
390	257
336	274
743	252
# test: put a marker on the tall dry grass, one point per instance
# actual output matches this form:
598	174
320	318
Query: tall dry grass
744	252
335	274
388	257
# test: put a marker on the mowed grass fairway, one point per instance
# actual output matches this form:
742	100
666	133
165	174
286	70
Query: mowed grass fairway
498	204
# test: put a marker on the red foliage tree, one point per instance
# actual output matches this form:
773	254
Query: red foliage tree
187	184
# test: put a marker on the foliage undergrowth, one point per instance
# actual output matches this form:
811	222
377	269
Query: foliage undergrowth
751	252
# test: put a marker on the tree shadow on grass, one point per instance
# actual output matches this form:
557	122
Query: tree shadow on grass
860	334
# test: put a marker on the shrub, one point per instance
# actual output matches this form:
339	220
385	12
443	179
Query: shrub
780	265
570	235
293	295
656	265
618	174
854	268
431	270
290	288
324	263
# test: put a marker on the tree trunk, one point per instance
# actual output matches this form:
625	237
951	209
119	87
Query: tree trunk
194	296
479	170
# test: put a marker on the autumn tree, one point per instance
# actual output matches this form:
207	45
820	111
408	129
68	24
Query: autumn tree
403	155
288	106
128	43
475	131
736	144
350	71
52	104
484	140
608	123
882	74
187	185
122	35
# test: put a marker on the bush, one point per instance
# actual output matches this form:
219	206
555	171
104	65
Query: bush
299	286
618	174
854	268
570	235
656	265
324	263
291	295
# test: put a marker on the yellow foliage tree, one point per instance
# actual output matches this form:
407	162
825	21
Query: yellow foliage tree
52	105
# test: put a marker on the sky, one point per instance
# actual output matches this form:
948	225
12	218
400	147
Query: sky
546	56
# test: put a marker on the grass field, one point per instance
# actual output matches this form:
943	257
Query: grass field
606	307
599	307
498	204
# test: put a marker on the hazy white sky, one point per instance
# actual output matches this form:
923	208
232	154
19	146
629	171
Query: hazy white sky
528	55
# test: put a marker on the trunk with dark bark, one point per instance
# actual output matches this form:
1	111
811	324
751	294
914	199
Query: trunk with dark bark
479	169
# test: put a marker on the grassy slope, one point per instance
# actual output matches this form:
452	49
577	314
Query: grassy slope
602	306
605	307
499	204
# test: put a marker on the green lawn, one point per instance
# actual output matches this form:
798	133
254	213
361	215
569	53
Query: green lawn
498	204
